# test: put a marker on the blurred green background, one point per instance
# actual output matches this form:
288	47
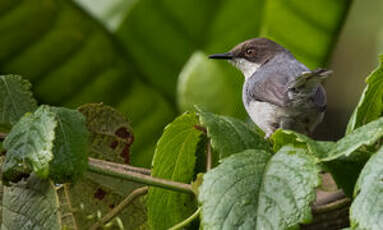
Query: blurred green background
148	58
355	56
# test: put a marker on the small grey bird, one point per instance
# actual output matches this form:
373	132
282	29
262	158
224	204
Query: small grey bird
279	91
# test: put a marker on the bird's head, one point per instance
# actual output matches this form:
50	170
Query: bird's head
249	55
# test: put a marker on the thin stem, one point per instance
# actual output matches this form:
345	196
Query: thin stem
187	221
129	168
121	206
108	169
208	157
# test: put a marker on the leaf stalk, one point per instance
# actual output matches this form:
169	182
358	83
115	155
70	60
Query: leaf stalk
113	170
187	221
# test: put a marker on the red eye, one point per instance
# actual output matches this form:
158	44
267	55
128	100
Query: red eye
250	51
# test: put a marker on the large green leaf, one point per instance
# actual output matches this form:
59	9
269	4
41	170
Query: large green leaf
71	59
367	208
35	204
370	106
255	190
29	145
174	159
15	100
229	135
51	142
70	146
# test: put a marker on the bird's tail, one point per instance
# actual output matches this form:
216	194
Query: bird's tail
310	79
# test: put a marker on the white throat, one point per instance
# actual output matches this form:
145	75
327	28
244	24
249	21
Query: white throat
246	67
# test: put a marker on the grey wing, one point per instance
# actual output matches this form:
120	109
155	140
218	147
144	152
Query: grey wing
309	83
272	89
320	99
310	79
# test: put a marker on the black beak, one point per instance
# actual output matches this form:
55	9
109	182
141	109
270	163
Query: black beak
227	55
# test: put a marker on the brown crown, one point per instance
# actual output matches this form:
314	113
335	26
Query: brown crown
257	50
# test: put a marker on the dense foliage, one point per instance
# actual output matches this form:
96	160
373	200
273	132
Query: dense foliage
205	163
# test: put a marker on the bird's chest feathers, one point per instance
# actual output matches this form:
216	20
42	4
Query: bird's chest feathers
264	114
259	110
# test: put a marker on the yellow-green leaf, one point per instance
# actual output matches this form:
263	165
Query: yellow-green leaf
174	159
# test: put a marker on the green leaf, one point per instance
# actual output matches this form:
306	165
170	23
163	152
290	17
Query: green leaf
110	133
29	145
51	142
218	79
319	149
370	106
366	135
15	100
229	135
255	190
60	52
308	29
70	146
367	208
345	170
34	204
174	159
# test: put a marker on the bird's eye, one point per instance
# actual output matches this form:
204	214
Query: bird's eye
250	52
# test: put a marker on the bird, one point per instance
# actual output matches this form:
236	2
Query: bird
279	92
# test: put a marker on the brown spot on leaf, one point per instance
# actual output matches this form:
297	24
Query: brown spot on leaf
125	134
126	154
3	153
111	206
122	133
114	144
99	194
